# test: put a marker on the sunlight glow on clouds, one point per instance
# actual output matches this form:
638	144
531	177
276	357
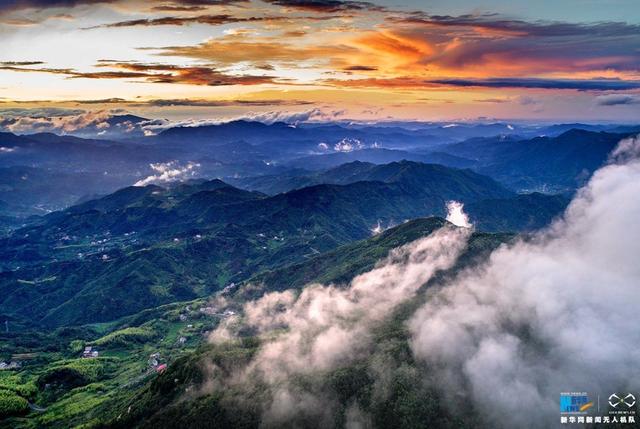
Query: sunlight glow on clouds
220	48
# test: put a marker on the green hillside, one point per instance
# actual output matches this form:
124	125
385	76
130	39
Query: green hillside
409	402
70	391
141	247
345	262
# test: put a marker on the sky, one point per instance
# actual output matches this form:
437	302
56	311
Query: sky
345	59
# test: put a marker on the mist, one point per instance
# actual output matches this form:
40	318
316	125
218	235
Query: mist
172	171
556	312
553	311
456	214
324	327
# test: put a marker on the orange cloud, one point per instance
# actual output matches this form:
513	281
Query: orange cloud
239	48
401	82
391	51
360	45
395	45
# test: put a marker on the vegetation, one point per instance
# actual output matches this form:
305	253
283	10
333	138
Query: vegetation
121	387
130	275
72	373
126	336
408	399
143	247
18	384
11	404
67	390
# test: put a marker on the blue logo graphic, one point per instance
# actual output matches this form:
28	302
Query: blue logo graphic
574	402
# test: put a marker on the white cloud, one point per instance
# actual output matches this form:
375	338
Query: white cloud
169	172
327	326
456	214
270	117
95	123
554	313
348	145
62	121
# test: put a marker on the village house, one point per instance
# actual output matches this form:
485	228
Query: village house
227	289
90	352
208	310
154	359
10	365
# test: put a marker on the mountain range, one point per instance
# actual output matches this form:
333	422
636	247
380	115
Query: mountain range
135	249
46	172
145	246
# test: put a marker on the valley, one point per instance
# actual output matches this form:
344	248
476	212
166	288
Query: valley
118	287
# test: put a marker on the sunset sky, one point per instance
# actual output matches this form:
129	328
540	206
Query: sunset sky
422	60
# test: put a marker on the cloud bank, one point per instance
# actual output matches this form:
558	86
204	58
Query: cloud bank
169	172
117	123
546	315
61	121
329	326
551	312
268	117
